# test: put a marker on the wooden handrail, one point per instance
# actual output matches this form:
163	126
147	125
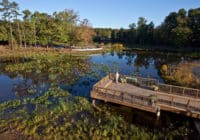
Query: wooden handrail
179	86
183	89
172	102
122	95
107	89
178	96
102	80
171	87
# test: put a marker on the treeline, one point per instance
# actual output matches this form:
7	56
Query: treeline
41	29
26	28
180	29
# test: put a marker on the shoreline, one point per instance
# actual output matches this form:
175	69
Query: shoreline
7	51
192	54
88	49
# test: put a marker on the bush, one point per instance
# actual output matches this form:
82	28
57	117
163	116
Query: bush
164	69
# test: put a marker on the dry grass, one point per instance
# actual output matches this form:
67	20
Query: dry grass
183	74
5	51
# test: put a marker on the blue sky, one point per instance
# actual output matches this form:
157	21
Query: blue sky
112	13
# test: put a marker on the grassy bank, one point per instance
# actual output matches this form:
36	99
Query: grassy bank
6	52
183	74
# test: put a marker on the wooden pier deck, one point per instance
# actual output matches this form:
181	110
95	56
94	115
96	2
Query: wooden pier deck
138	92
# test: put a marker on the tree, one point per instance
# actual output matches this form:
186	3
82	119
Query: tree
114	35
9	10
3	32
65	22
85	33
131	34
181	33
150	33
16	14
141	30
141	22
26	27
132	26
181	36
42	29
170	23
194	25
103	35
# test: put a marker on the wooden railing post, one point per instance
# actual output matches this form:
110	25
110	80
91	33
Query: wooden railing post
158	83
172	101
183	91
131	98
188	104
122	94
170	91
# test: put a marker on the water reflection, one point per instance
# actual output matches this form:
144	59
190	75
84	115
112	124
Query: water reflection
34	77
76	74
6	85
142	64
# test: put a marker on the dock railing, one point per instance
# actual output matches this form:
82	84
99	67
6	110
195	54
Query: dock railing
102	82
151	82
178	90
179	102
124	98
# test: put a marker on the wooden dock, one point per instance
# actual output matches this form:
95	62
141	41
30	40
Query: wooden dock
148	95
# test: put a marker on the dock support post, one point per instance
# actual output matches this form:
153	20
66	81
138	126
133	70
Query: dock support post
94	105
158	112
117	77
93	102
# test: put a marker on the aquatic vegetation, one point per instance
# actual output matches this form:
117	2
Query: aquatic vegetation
10	104
58	114
57	67
45	112
44	68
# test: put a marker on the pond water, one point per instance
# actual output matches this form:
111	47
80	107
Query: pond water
141	64
18	82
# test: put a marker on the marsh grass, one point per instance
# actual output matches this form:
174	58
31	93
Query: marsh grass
182	74
16	54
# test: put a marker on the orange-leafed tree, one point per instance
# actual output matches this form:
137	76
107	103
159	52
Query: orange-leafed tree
85	33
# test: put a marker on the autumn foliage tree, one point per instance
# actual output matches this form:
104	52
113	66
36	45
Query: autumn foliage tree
85	32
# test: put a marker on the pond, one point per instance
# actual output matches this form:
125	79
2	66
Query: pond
34	80
141	64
